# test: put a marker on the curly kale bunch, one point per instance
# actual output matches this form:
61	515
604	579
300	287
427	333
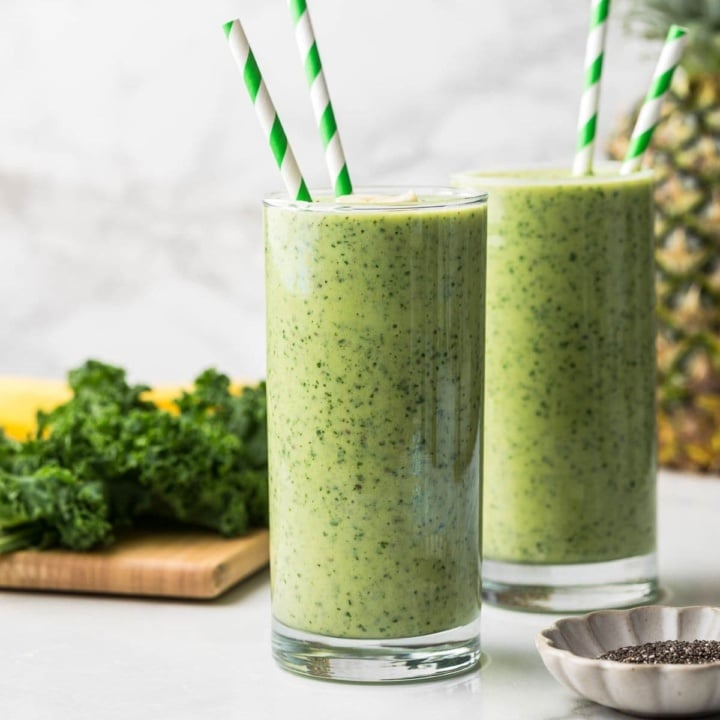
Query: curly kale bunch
107	458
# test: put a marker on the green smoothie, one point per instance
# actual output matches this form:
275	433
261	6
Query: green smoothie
570	368
375	323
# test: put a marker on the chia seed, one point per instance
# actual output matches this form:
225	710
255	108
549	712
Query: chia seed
667	652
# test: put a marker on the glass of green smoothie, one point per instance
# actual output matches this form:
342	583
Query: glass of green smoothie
569	469
375	329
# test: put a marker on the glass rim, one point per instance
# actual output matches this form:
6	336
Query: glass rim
436	197
550	175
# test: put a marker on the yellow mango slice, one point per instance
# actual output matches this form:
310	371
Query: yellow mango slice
22	397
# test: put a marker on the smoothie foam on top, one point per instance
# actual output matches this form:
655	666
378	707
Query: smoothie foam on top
407	198
379	199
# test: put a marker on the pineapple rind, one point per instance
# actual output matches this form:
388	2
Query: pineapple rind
685	153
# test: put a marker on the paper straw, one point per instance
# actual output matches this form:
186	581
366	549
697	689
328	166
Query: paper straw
652	105
320	98
269	120
587	120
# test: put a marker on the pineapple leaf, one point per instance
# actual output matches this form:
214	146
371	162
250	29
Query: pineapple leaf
651	19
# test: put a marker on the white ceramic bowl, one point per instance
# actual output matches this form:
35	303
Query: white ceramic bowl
570	649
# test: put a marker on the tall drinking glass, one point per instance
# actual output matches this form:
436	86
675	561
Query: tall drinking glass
569	476
375	326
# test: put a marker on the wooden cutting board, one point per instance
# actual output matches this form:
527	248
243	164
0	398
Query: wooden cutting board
171	564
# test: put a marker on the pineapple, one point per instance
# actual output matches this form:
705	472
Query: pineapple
685	153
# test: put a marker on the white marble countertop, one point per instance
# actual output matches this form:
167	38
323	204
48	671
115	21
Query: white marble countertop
75	657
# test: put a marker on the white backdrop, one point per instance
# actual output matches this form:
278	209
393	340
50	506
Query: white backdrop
132	167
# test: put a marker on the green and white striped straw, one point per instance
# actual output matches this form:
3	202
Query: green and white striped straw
269	120
652	105
320	98
587	120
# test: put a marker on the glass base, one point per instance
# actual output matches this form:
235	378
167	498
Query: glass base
571	588
374	661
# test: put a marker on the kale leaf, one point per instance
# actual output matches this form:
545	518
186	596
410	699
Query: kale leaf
108	457
52	507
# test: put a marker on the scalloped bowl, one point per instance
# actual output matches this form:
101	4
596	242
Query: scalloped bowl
570	649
